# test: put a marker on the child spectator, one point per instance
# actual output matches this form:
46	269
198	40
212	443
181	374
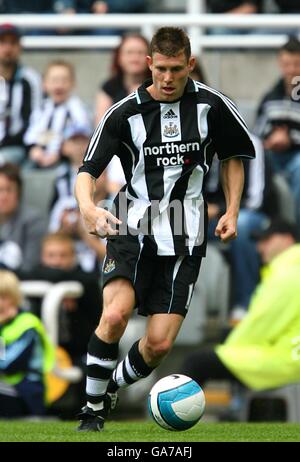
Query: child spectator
28	354
60	109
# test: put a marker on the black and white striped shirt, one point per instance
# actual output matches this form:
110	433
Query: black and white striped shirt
22	95
48	124
277	109
166	149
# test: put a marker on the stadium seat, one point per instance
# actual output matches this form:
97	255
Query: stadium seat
52	296
38	187
279	404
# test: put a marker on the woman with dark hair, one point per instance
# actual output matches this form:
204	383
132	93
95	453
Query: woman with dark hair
128	71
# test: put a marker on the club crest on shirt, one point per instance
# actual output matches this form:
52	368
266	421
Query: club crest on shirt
171	130
109	266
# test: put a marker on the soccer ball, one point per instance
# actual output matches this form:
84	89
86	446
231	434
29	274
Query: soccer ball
176	402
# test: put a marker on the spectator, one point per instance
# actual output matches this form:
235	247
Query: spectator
278	120
74	144
21	94
60	109
21	228
233	7
79	317
101	7
129	70
258	204
261	352
28	354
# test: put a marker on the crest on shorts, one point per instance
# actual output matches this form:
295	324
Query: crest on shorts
171	130
109	266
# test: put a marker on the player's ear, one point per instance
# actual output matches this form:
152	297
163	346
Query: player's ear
149	62
192	62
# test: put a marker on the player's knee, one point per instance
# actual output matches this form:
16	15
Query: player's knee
158	349
114	320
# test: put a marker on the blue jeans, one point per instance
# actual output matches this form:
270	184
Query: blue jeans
244	258
288	165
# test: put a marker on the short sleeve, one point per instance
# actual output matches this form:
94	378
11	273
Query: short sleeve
103	145
232	138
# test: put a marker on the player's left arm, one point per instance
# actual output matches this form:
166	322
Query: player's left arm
232	178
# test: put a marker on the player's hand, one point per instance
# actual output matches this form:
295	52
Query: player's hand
226	228
99	222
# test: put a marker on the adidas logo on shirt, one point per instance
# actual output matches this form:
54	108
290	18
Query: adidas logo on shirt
170	115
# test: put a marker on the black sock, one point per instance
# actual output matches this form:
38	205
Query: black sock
130	370
101	361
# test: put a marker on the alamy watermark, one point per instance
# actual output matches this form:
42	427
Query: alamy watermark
295	95
142	217
2	348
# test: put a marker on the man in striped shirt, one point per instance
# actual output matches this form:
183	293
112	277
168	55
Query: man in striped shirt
165	135
20	94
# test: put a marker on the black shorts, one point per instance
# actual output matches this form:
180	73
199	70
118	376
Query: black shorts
163	284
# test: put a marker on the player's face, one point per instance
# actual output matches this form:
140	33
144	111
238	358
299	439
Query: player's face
170	75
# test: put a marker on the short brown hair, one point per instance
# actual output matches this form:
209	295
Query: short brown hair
61	63
59	237
170	41
291	46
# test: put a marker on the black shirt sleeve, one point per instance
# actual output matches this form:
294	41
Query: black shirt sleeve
103	145
231	135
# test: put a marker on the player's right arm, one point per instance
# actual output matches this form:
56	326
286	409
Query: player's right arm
104	143
97	220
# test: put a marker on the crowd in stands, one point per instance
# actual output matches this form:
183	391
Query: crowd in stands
100	7
44	126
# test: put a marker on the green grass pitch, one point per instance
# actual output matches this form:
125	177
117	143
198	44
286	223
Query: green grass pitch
144	431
